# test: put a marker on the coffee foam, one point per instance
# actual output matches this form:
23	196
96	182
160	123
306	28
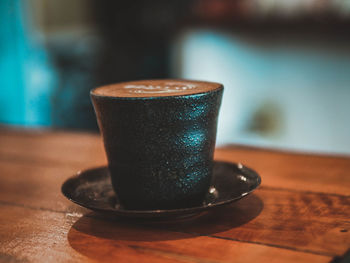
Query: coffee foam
156	88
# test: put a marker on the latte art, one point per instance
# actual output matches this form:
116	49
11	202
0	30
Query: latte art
156	88
166	88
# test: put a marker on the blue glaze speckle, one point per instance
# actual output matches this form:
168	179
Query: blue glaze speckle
160	149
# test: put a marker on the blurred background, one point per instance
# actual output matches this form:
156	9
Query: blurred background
285	64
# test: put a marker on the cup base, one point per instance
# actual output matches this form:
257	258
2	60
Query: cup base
154	205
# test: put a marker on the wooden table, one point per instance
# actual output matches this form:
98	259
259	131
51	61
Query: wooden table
301	212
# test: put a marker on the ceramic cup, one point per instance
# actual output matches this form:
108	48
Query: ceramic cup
159	137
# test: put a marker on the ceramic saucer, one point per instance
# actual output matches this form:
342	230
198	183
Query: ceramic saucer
92	189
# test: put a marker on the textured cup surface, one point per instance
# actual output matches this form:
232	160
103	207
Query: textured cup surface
159	137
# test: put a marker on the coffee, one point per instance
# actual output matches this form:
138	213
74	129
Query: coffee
159	137
155	88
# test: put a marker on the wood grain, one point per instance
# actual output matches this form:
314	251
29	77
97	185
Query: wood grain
308	222
298	172
301	216
301	213
284	170
29	235
52	148
31	185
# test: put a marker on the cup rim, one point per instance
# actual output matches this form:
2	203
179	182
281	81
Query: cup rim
219	88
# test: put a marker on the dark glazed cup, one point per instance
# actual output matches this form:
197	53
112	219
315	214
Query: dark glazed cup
159	142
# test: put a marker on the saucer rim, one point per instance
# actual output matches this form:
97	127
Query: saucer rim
159	212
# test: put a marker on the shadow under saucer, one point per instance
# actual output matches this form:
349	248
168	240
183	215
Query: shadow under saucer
98	236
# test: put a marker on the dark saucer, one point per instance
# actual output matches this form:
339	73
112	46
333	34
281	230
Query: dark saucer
92	189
